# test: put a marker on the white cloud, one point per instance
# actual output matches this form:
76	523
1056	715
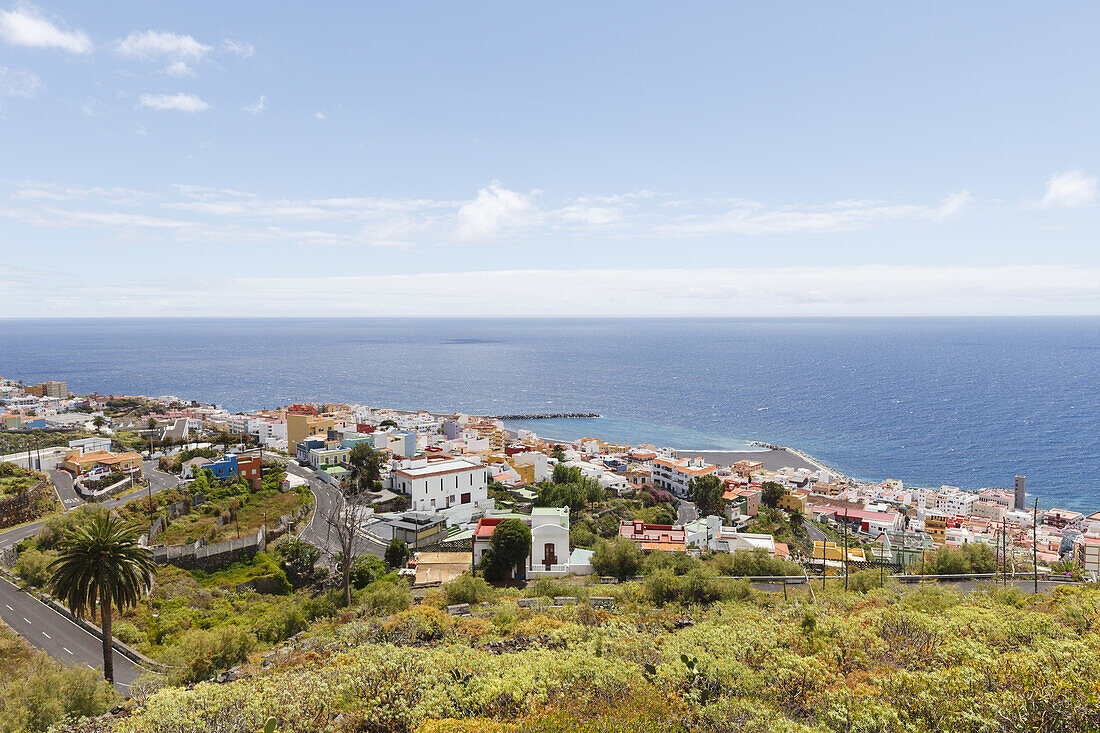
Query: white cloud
27	26
17	83
160	44
588	214
953	204
754	217
1071	189
244	50
255	109
792	291
319	115
177	102
179	69
495	216
495	208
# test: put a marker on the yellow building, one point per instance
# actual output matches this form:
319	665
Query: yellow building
792	500
299	427
831	551
526	471
102	462
936	528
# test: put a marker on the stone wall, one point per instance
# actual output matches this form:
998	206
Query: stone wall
22	507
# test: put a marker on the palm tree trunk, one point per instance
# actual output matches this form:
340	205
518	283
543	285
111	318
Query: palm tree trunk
105	624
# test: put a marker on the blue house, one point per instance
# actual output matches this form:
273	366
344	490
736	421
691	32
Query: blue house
305	446
225	467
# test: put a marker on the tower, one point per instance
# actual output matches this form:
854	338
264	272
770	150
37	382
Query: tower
1020	491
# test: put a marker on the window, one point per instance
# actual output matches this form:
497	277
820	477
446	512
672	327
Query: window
466	498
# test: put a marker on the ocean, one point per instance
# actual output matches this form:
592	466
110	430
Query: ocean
969	402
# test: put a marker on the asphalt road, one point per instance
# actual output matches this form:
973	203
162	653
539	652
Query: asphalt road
59	637
50	631
327	500
63	482
961	586
815	532
686	512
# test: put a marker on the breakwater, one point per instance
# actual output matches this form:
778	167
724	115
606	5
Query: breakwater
544	416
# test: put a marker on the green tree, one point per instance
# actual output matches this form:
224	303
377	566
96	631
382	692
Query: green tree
796	519
387	423
618	557
772	493
566	474
98	422
707	492
299	555
511	544
102	562
558	453
397	553
366	467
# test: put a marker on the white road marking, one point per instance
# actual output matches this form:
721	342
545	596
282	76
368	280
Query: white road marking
45	635
9	607
26	619
67	650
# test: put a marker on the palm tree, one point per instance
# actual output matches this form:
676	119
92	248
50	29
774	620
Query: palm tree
101	562
98	421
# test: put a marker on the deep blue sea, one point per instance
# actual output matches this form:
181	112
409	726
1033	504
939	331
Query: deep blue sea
963	401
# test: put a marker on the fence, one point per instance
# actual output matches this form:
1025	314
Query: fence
201	556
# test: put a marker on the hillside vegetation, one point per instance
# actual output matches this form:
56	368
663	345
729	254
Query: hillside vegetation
891	660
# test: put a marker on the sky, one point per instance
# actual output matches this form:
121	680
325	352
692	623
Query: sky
558	158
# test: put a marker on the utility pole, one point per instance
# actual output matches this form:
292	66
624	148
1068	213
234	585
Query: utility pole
822	565
1035	547
1004	553
845	550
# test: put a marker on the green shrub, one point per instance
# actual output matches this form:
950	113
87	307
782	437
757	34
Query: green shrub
758	562
127	633
550	588
467	589
383	598
366	570
34	568
57	527
865	580
701	585
44	694
662	586
618	557
680	563
281	622
200	654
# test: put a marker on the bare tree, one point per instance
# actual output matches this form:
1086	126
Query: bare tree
343	524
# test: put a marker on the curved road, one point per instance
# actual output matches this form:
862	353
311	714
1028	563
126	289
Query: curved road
47	629
327	501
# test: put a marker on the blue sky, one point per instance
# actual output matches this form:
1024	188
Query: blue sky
558	158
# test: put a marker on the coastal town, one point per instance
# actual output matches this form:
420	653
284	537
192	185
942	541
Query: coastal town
444	481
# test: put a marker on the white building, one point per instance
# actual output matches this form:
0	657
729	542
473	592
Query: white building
549	543
269	431
538	461
674	474
89	445
443	486
708	533
955	503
